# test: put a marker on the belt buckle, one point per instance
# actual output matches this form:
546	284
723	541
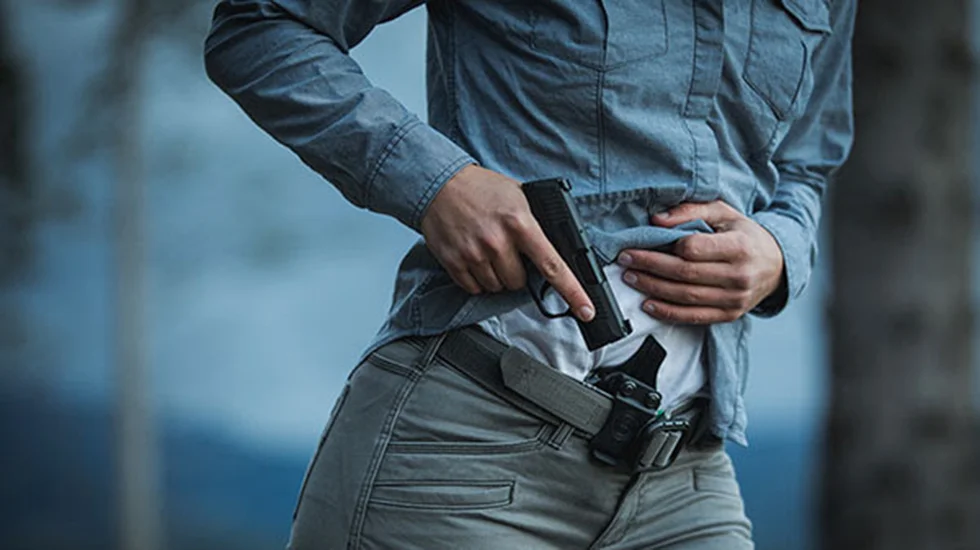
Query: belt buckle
633	434
660	443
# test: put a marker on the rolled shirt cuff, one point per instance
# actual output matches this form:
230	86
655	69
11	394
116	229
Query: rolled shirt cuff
411	169
799	252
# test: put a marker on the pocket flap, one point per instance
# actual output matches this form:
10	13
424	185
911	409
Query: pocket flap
812	15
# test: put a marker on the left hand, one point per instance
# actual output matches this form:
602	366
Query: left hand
710	277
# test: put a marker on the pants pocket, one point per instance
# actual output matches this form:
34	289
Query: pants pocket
713	482
448	413
717	475
443	496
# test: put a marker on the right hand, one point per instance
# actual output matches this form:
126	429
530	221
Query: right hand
479	224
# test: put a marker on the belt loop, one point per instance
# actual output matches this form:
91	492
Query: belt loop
701	436
430	350
560	435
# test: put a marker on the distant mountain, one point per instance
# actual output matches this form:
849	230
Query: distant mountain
55	492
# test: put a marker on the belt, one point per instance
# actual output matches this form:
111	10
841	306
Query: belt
621	430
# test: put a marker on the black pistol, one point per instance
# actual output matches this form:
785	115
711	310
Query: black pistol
551	203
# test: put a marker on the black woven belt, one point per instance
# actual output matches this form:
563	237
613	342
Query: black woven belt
622	427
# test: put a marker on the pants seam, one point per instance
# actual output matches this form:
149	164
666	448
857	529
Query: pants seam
360	510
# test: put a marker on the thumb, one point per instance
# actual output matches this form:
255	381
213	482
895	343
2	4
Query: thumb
715	213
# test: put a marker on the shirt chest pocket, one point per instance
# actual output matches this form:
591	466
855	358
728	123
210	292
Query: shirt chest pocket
595	33
784	35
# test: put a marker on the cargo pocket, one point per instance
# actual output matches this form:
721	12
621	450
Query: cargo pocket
783	37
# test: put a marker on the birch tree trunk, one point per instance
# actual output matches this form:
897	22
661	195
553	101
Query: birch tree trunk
900	467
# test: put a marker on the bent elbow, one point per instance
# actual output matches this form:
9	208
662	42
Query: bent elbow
219	41
233	24
212	62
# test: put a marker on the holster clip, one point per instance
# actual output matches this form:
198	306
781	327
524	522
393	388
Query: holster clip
632	436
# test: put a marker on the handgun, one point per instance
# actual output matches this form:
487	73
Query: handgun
551	204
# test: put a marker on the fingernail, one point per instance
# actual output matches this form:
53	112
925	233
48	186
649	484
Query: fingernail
629	277
649	307
586	313
662	215
625	259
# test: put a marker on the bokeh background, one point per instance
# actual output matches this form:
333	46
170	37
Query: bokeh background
264	286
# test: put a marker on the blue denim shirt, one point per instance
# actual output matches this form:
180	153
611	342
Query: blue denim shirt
641	104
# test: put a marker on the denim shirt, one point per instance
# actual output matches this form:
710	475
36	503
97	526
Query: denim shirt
641	104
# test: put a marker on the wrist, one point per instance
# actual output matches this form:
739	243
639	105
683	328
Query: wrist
447	189
776	291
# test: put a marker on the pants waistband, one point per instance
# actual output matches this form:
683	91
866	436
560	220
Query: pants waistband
547	393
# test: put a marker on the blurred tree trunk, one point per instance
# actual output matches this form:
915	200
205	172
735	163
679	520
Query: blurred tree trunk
17	200
139	503
117	122
15	190
900	468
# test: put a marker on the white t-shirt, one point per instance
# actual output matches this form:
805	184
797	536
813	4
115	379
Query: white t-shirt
559	343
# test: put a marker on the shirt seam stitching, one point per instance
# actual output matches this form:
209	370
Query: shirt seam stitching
400	133
601	128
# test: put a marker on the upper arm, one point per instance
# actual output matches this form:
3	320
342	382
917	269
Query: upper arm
345	22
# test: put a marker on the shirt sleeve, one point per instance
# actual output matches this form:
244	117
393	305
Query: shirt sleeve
816	145
287	64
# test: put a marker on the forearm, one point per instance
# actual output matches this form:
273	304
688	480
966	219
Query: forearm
300	85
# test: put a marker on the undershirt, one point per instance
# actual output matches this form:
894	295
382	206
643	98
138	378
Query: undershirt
559	342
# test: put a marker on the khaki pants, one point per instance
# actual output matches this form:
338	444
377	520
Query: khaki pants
418	456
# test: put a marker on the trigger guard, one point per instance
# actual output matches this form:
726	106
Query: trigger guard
539	301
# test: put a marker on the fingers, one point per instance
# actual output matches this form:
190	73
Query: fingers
673	292
714	213
510	269
552	267
689	315
476	274
485	275
466	281
709	278
478	225
674	268
730	246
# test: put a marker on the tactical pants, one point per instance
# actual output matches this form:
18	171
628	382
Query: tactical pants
418	456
